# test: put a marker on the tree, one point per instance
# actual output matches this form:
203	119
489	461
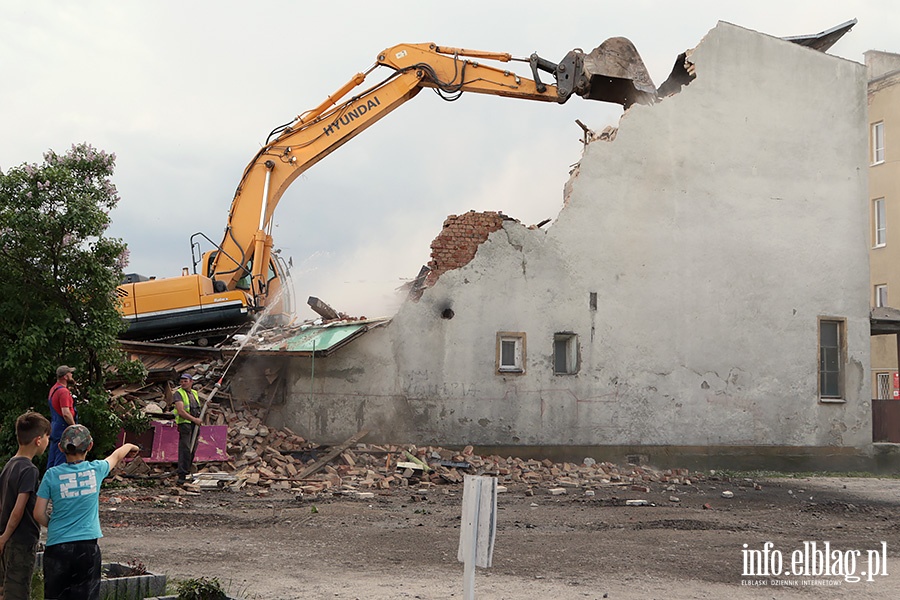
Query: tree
58	304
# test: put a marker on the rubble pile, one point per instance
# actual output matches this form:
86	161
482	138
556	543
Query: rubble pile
264	458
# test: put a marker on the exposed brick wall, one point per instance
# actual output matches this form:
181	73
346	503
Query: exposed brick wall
458	241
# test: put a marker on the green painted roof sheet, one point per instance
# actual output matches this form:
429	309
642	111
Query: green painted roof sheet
319	338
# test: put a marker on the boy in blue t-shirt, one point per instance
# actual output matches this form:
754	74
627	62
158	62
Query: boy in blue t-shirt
72	556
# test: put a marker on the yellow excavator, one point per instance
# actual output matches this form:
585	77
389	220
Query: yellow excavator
242	278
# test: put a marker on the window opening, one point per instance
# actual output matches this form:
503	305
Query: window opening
878	143
884	386
878	212
565	353
510	352
880	296
830	358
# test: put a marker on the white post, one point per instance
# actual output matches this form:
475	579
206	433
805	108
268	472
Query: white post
478	528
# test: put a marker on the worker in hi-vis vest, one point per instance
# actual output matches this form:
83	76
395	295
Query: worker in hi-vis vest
187	417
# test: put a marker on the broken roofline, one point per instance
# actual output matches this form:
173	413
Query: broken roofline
823	40
683	72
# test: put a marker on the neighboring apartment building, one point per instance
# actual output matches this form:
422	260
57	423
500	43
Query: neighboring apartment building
883	72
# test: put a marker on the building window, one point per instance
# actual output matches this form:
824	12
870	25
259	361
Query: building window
884	386
881	296
831	359
878	143
565	353
510	352
879	215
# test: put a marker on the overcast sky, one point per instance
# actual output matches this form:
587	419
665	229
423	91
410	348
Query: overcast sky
184	93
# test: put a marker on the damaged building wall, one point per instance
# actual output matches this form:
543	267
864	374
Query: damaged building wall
675	301
459	240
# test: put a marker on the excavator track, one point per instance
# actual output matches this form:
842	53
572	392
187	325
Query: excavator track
201	337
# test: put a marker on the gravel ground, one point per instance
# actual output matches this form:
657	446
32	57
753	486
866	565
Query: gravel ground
403	543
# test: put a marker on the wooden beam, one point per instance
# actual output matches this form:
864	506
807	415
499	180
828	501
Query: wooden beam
135	347
333	453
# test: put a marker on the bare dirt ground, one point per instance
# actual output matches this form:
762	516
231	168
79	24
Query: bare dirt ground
403	544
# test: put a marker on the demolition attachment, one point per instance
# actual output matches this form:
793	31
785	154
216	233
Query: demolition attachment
612	72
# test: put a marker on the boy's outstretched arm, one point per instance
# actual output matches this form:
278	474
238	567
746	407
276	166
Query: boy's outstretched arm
121	452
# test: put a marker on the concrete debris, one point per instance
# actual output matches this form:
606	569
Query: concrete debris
323	309
136	467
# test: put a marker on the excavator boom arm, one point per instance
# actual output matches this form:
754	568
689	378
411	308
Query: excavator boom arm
319	132
315	134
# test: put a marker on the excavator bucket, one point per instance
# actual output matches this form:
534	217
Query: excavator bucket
612	72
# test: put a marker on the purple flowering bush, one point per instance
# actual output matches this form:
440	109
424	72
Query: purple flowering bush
60	271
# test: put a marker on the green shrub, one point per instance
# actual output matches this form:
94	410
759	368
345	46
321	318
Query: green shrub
201	589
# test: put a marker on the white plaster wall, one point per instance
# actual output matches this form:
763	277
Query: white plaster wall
716	229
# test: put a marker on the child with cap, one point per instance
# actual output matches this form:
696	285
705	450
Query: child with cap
72	556
18	484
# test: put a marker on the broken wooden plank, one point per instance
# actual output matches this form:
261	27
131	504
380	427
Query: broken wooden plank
417	461
169	350
331	455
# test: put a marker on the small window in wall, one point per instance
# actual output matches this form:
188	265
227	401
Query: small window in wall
880	223
884	386
565	353
878	143
510	352
831	359
880	296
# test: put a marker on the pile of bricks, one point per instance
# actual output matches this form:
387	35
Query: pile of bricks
264	458
262	453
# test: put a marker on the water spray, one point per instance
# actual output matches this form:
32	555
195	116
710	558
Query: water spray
196	435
